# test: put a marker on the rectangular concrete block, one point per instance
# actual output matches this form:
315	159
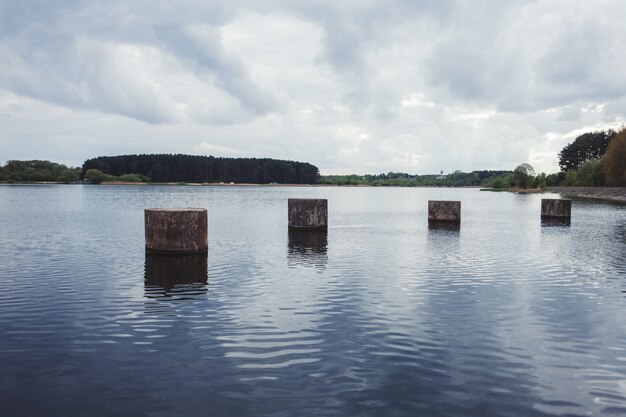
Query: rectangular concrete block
175	231
444	211
307	213
555	208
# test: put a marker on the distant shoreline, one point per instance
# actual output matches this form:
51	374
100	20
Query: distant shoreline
614	194
235	184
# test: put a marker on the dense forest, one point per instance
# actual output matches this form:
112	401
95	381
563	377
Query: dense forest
202	169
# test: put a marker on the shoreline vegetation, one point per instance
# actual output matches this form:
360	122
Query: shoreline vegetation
592	166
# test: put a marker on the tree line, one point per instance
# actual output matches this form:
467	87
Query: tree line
402	179
201	169
592	159
38	171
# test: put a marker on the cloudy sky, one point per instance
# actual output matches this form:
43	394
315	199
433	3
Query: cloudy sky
352	86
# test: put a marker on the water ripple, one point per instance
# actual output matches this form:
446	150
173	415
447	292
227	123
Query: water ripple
381	315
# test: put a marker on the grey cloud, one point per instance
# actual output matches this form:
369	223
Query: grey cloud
569	113
355	32
61	55
528	57
16	15
584	63
203	51
78	75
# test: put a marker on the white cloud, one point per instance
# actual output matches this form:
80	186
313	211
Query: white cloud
216	150
416	100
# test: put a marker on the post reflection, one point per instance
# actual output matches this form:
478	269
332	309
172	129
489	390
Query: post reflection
308	248
180	277
555	221
434	225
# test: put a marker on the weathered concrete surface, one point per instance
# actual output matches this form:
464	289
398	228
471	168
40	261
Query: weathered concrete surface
556	208
176	230
307	213
444	211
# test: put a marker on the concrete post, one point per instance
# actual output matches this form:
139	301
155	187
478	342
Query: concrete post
555	208
175	231
307	213
444	211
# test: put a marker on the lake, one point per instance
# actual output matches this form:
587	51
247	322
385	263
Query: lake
380	316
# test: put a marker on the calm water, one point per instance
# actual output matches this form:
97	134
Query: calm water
381	316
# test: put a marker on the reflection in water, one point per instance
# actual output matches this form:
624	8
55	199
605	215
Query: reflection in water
180	277
308	248
555	221
443	238
438	225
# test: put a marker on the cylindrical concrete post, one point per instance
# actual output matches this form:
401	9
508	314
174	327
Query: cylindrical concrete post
307	213
172	231
444	211
555	208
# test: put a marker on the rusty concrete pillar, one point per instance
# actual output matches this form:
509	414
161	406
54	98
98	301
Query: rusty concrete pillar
307	213
556	209
444	211
172	231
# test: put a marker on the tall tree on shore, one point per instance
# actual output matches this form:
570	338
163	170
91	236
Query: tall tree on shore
523	175
587	147
615	160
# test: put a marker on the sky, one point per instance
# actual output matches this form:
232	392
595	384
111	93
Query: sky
351	86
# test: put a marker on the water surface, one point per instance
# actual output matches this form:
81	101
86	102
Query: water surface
380	316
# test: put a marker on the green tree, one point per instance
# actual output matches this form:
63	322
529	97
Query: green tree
553	180
69	175
540	181
133	178
523	175
587	147
499	183
36	170
615	160
94	176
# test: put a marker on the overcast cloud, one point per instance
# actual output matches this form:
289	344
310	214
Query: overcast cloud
358	86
